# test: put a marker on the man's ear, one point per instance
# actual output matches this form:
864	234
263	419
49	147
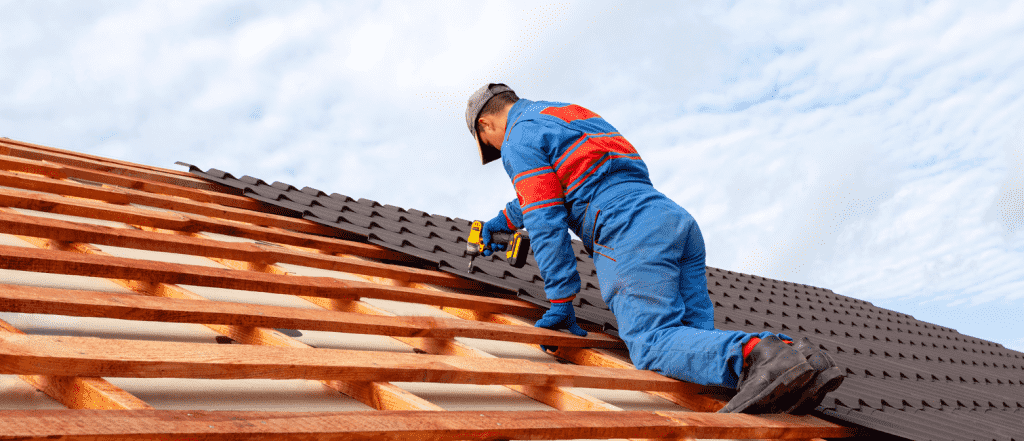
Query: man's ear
482	124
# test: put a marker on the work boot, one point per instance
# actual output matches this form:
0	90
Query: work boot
827	377
773	374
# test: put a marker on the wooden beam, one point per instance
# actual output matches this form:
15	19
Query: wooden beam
193	222
711	399
125	196
43	425
79	392
87	356
57	262
35	226
29	299
59	171
557	397
100	159
25	150
378	395
699	401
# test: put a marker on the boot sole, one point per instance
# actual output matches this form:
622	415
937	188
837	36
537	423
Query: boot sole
787	383
826	381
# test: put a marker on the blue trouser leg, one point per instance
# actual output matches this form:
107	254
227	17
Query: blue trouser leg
650	258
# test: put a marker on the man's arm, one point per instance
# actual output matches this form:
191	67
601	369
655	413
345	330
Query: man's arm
542	207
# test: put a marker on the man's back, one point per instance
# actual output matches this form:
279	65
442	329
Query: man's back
586	154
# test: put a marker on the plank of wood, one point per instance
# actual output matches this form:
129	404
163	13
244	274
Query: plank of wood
378	395
80	303
79	392
706	400
101	159
87	356
95	210
557	397
703	399
57	262
125	196
37	152
60	171
25	225
190	223
83	425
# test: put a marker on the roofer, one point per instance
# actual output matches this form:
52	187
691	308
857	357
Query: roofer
572	170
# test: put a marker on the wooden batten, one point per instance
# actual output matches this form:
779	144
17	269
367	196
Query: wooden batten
39	153
59	171
48	261
400	426
378	395
86	356
26	299
79	392
191	223
99	160
69	368
183	205
34	226
554	396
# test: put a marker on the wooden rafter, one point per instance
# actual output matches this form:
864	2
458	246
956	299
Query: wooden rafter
183	205
25	225
60	171
51	203
56	262
241	220
99	160
28	299
558	397
79	392
378	395
40	153
87	356
699	402
228	425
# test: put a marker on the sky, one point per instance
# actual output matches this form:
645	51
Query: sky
874	148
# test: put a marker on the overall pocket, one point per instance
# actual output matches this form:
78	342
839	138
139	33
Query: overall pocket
594	232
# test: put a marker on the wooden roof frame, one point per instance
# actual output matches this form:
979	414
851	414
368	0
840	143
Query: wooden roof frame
70	369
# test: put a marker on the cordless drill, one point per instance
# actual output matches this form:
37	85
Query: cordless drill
517	245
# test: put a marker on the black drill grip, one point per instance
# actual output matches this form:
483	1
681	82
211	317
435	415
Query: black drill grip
501	238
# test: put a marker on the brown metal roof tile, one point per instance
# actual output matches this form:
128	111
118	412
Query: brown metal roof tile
906	377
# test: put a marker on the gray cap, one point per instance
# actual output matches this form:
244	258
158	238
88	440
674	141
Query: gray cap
476	103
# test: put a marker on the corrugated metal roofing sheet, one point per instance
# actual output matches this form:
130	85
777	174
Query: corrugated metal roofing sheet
905	377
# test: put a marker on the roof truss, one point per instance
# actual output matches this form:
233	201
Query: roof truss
70	368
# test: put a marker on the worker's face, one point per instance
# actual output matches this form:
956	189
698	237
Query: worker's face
491	130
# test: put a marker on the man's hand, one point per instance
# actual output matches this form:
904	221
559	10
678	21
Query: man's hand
496	225
560	316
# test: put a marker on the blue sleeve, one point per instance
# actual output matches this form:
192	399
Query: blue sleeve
513	215
526	153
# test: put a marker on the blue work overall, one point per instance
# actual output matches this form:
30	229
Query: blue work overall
574	171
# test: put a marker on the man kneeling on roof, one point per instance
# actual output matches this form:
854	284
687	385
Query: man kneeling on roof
573	170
